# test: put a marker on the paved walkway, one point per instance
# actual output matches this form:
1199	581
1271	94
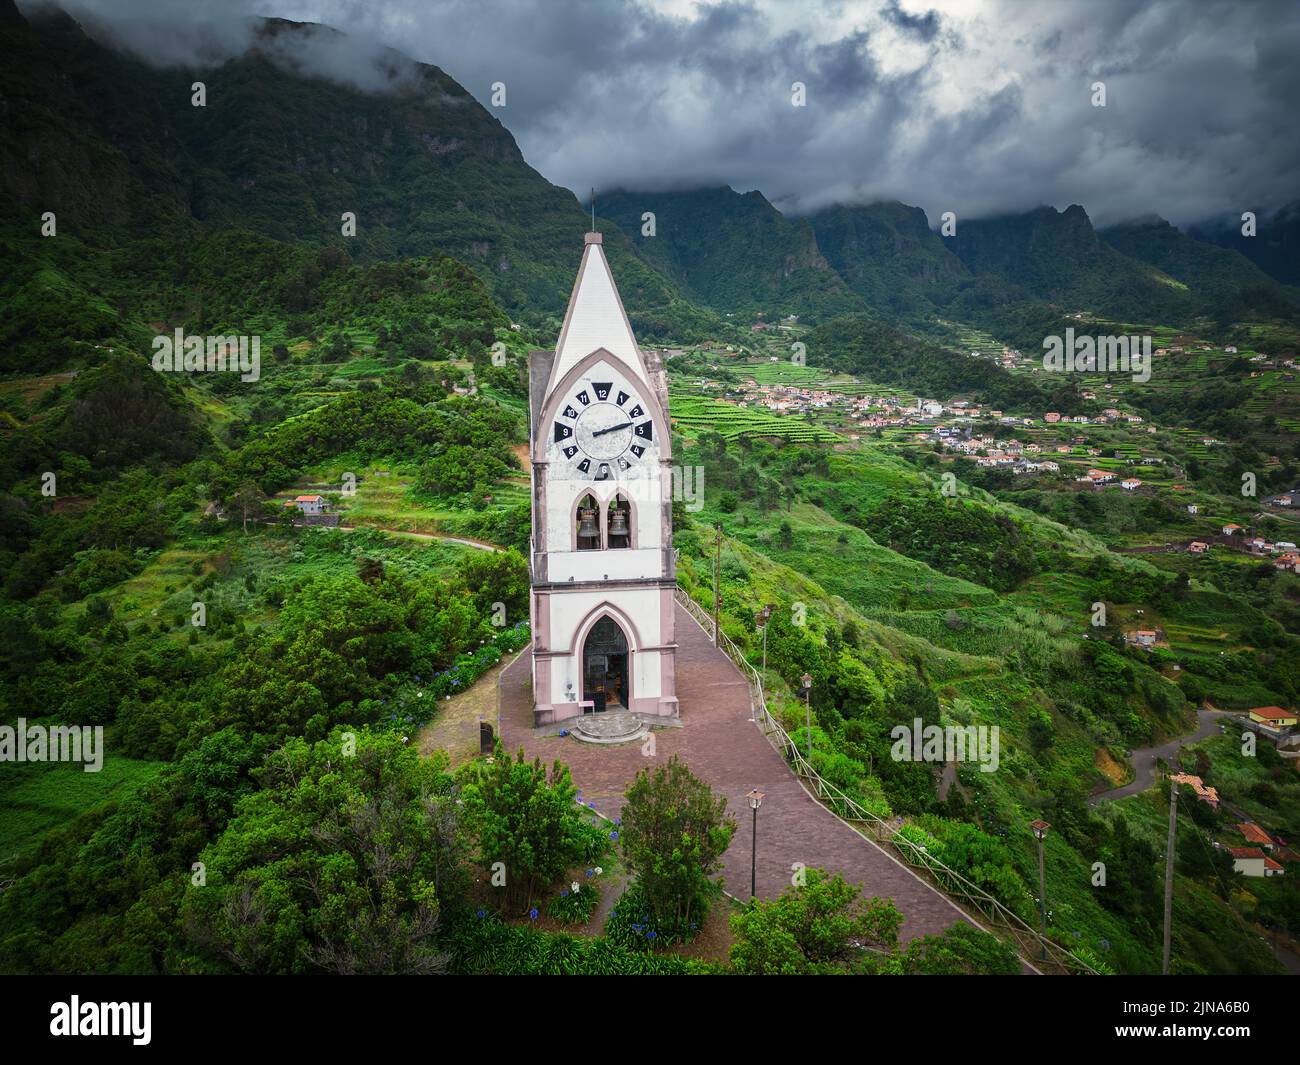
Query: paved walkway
1144	759
725	748
455	725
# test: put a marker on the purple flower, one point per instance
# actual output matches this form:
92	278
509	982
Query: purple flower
591	872
532	914
650	934
614	836
482	913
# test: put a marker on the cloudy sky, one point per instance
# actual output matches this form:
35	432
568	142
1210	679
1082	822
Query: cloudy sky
973	106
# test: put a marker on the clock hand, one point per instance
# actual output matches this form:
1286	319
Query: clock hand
612	429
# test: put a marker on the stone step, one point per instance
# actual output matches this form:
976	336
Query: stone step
613	726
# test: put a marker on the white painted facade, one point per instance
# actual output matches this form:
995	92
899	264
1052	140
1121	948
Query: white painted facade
600	444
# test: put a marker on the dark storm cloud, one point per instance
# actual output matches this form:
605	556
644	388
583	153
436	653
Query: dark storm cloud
926	26
962	105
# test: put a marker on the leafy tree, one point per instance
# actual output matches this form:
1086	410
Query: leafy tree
525	818
248	502
962	950
461	468
497	577
344	862
674	834
820	927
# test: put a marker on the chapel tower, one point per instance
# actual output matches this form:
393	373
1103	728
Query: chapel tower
602	560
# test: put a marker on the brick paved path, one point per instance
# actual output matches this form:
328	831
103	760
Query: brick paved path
725	748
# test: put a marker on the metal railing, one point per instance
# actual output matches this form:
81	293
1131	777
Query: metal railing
876	829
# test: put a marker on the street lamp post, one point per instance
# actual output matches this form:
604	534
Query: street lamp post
755	798
1040	832
807	706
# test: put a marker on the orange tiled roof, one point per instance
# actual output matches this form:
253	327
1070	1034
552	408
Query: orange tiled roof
1254	833
1246	852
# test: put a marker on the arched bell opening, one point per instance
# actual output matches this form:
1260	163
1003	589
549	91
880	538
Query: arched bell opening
605	672
619	522
587	534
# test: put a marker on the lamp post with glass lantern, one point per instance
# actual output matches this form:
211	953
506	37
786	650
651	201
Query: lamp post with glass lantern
755	798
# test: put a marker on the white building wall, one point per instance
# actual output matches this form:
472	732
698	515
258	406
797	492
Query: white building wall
568	610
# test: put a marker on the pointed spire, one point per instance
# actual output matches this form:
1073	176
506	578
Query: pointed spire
595	318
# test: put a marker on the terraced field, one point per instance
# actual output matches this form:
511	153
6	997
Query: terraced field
694	415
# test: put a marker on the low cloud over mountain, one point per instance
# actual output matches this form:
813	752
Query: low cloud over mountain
974	106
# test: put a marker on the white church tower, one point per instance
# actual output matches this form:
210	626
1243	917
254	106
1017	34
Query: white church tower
602	556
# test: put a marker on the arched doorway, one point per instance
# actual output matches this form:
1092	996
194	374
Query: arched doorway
605	667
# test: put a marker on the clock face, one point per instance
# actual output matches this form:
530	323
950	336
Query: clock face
604	428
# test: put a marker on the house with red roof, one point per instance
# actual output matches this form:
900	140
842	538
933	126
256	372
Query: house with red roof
1209	796
1252	833
1251	861
1274	717
308	504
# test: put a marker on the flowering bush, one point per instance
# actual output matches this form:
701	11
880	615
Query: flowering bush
631	924
576	903
489	946
416	699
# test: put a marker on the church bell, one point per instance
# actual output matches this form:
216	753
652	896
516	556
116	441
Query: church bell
587	523
618	523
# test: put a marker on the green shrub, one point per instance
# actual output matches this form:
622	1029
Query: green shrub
575	907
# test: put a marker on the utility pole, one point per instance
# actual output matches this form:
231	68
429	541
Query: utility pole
1169	873
1039	827
717	576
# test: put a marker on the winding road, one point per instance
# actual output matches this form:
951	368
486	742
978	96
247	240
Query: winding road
1144	759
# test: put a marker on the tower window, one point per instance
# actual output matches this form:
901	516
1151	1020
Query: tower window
620	523
588	527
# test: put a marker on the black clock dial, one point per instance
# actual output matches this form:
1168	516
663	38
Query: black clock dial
637	450
562	431
585	465
602	390
602	472
622	398
583	398
569	412
636	412
645	430
570	451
